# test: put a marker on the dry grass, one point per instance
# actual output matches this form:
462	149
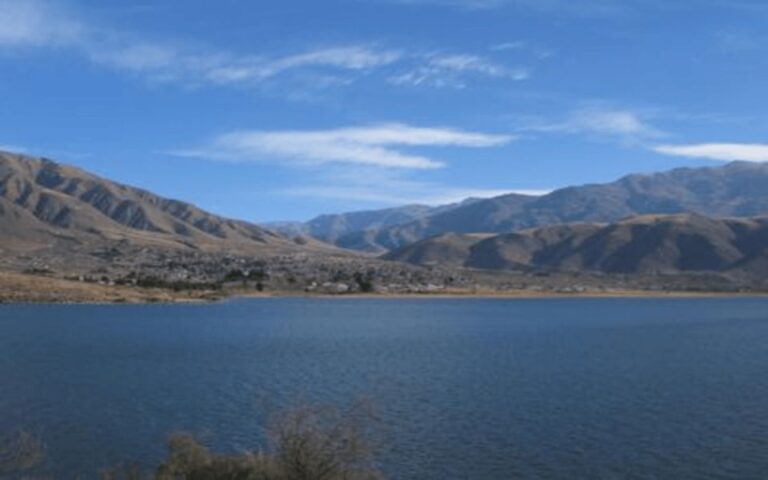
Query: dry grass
23	288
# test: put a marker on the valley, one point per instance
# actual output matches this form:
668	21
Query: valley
70	236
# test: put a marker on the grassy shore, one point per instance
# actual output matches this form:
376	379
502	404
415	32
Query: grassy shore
23	288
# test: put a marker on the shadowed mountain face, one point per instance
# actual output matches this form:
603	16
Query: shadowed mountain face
664	244
43	203
358	230
737	189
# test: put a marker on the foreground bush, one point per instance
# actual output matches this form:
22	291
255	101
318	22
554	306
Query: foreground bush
307	443
19	452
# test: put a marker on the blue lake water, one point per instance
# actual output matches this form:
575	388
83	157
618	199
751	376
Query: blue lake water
466	389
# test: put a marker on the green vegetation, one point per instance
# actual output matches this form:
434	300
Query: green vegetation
152	281
365	282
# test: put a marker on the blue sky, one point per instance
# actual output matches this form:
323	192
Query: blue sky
269	110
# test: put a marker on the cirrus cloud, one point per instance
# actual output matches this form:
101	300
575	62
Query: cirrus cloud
43	24
378	145
612	122
378	186
34	23
750	152
453	70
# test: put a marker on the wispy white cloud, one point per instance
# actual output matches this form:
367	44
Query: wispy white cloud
33	23
453	70
718	151
625	124
591	7
39	24
475	64
372	164
378	145
390	187
425	194
581	8
617	122
174	63
347	58
510	46
520	46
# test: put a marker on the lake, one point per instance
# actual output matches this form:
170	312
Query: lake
465	388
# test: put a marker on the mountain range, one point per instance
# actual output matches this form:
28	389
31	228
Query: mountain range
649	244
58	218
736	189
352	230
44	204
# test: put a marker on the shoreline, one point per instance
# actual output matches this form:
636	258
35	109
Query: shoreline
25	289
511	295
183	300
367	297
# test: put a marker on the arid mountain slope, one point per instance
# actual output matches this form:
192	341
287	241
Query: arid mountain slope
653	244
61	224
448	250
738	189
478	216
44	204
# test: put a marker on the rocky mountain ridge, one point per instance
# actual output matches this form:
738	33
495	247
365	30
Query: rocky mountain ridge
353	230
44	204
647	245
736	189
62	224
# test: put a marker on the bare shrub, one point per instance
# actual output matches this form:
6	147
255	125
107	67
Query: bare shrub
190	460
323	443
306	443
20	452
